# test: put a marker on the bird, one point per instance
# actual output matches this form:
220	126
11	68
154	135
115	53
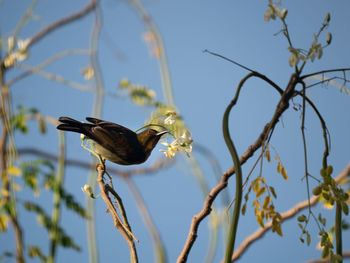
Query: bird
114	142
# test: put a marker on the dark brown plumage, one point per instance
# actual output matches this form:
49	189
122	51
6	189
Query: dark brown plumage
113	141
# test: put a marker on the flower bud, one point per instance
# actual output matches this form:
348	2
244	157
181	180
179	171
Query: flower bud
329	38
88	190
284	13
328	18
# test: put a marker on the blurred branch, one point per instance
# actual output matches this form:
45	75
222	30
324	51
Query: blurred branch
54	236
161	54
46	63
96	112
7	155
162	163
146	216
54	77
66	20
285	215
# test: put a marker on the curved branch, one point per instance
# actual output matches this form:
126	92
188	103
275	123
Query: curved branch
63	21
285	215
282	106
238	169
256	74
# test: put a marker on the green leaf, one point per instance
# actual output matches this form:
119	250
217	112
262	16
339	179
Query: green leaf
244	207
329	170
345	208
301	218
317	190
272	190
308	239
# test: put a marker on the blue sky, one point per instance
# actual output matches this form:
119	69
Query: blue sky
202	85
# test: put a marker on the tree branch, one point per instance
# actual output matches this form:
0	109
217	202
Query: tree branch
282	105
161	163
124	230
63	21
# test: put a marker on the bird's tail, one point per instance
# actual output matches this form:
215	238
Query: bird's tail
69	124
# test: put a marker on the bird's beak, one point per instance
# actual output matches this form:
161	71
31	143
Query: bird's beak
161	133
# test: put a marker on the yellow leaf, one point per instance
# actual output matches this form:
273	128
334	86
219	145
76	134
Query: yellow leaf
260	192
276	158
259	219
279	167
5	193
284	173
267	155
267	201
279	230
3	222
13	170
328	205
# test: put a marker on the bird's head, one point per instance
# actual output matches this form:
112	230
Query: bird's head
149	139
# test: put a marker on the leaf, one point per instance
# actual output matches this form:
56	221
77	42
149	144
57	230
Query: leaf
301	218
317	190
42	126
244	208
267	155
272	190
279	167
345	208
308	239
14	170
266	201
284	173
259	219
260	192
329	170
4	219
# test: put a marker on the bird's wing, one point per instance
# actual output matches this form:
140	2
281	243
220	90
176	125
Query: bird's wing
115	138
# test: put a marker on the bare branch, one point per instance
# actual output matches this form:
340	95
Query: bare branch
126	233
161	163
282	105
66	20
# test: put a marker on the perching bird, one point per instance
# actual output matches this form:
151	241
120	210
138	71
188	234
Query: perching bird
114	142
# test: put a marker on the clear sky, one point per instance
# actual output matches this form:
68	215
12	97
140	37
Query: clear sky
202	85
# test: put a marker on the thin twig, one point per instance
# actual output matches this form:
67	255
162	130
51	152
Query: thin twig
126	233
